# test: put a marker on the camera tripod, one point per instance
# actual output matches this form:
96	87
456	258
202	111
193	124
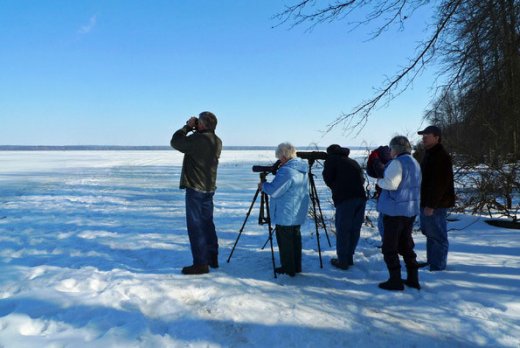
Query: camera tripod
316	209
264	217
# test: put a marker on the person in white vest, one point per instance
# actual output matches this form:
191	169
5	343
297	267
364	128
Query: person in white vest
399	203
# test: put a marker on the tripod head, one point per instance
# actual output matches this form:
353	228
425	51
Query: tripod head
263	216
312	156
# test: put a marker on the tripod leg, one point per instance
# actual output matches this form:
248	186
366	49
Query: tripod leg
265	244
320	216
314	198
262	218
270	233
244	224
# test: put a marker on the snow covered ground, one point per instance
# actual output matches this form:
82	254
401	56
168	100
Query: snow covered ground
92	243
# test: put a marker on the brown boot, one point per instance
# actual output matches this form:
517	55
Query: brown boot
195	269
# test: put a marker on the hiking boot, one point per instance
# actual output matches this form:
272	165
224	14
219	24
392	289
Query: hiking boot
436	269
350	260
412	279
279	270
394	282
337	264
412	284
195	269
422	264
213	261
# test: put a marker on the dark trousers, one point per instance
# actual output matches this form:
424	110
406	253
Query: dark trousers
201	229
289	241
349	219
397	239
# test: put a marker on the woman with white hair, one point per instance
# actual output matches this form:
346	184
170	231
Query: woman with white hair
289	192
399	203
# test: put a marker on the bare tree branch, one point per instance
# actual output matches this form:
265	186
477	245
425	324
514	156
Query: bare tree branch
410	72
388	12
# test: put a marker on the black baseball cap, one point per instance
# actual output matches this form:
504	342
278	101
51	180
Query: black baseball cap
431	130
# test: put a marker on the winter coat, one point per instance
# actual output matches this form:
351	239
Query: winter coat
201	153
437	189
343	175
289	192
403	200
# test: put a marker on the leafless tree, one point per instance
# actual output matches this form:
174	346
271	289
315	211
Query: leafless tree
477	46
383	14
480	110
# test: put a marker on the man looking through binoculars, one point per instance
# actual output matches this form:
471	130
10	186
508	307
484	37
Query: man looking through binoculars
199	175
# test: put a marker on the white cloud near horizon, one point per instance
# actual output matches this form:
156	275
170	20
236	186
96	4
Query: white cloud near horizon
87	28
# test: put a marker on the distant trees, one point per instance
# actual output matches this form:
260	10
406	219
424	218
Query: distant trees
477	43
479	109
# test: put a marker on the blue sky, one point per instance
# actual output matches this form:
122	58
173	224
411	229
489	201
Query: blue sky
131	73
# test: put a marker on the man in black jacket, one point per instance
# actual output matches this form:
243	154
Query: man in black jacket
199	175
344	177
437	195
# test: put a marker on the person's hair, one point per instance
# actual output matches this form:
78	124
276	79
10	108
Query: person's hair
286	150
400	144
208	119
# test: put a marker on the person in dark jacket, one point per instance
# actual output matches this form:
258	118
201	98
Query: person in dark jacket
399	203
437	195
344	177
198	177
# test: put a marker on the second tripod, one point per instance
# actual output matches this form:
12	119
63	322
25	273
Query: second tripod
317	214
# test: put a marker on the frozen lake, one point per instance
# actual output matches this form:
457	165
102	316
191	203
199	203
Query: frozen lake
92	244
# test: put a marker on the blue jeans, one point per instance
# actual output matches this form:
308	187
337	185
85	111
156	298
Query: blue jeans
349	218
435	228
201	229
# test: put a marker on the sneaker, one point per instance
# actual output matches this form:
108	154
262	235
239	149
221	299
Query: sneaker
195	269
337	264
